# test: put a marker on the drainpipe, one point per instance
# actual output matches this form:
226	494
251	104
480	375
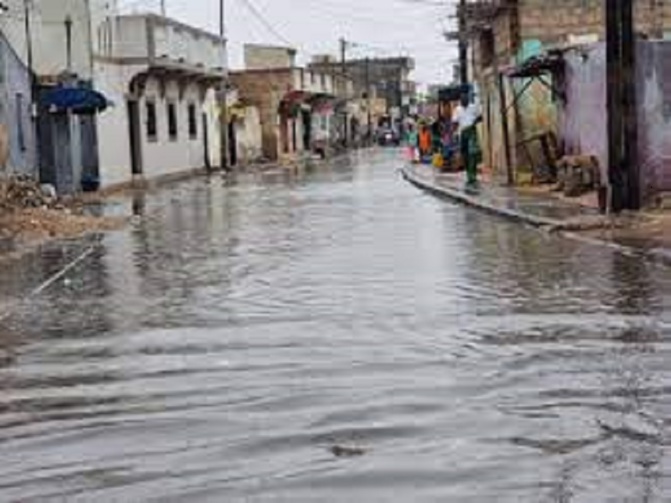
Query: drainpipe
34	111
463	45
68	44
224	88
89	31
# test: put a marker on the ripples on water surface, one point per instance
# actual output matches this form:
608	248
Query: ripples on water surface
218	349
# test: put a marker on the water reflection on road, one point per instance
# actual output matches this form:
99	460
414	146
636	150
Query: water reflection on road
218	348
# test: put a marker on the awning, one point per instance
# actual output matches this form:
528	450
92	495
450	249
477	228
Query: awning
78	100
292	102
322	103
536	66
453	93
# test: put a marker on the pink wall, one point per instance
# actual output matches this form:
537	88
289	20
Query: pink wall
654	116
583	120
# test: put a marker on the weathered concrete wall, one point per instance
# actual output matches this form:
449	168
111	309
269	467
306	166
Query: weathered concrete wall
654	116
265	90
261	57
248	135
553	22
15	119
583	117
584	123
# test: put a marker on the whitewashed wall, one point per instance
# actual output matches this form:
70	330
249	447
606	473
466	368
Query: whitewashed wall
113	137
163	156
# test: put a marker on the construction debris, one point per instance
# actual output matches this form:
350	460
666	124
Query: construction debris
31	213
21	192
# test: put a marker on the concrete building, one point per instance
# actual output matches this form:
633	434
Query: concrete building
162	76
265	57
503	34
384	78
18	149
300	110
51	39
245	137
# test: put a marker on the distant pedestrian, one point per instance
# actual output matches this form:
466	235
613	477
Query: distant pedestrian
467	116
412	143
425	142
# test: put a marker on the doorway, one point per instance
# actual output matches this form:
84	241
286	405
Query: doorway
307	130
206	143
232	144
134	136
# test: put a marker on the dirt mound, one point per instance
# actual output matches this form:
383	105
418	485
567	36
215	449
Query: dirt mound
32	214
21	192
38	224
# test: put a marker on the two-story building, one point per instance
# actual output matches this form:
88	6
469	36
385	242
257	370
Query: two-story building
47	117
18	148
162	77
387	79
300	110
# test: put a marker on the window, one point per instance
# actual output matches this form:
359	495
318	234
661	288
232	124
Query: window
193	122
152	130
19	122
172	121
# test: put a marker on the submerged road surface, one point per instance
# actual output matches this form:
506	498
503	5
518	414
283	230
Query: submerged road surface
333	336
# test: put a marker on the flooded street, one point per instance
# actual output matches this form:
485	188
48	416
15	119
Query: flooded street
221	346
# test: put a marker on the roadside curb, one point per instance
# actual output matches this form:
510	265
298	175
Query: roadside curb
566	229
477	203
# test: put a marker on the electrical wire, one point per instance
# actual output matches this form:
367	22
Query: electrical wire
254	10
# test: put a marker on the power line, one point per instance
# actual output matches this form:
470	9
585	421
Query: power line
267	24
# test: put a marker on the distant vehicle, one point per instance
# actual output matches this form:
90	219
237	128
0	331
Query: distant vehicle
388	137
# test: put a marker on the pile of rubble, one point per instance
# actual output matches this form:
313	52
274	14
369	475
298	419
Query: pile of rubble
31	214
23	192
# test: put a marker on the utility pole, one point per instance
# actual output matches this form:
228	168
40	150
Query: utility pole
463	46
369	133
27	12
343	56
164	10
68	45
623	173
224	88
343	69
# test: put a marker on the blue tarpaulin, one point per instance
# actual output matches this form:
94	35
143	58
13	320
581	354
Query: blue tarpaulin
78	100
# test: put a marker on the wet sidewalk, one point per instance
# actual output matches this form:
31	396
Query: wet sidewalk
645	234
537	210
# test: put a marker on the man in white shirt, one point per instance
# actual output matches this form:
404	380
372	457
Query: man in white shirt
467	115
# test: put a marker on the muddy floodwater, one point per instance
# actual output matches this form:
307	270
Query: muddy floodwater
333	335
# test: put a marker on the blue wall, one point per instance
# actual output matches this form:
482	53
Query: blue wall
15	111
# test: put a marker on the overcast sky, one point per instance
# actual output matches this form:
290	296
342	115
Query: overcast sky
378	27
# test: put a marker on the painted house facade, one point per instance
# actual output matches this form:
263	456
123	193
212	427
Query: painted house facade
381	78
162	77
301	111
51	41
18	147
503	34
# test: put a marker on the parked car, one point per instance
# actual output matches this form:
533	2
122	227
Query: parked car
388	137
